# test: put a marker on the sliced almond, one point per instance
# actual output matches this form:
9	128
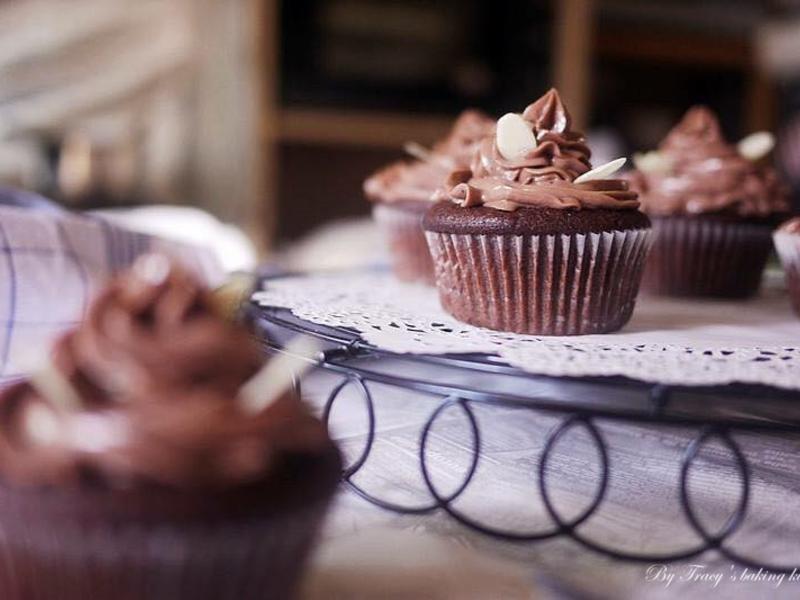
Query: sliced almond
57	389
756	145
43	425
417	150
515	136
652	163
44	421
277	375
423	154
602	172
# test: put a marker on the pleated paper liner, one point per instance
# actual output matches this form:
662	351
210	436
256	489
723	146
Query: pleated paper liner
788	247
74	545
402	226
696	256
543	285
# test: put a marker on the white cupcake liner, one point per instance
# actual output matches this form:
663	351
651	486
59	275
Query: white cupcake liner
541	284
411	259
788	247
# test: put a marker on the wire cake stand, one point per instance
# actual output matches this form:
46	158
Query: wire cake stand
463	382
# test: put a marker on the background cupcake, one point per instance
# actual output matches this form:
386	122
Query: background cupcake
531	241
713	208
787	243
402	193
137	466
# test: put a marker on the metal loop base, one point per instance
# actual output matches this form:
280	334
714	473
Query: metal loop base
579	404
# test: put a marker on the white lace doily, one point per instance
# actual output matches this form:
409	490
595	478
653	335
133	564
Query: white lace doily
666	341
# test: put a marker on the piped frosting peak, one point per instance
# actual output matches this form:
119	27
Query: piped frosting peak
701	172
533	159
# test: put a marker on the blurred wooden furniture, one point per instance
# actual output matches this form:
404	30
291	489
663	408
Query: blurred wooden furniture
111	102
581	36
696	51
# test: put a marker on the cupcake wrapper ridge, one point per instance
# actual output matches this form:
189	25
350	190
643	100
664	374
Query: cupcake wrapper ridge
541	284
410	257
157	546
788	247
693	256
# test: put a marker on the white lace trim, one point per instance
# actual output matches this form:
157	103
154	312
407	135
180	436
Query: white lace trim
667	341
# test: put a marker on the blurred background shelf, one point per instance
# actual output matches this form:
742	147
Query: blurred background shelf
355	79
270	113
356	128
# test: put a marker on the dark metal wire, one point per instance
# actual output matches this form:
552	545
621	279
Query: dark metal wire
355	361
552	440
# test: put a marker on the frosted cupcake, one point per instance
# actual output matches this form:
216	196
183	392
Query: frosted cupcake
402	193
713	207
787	243
531	239
140	465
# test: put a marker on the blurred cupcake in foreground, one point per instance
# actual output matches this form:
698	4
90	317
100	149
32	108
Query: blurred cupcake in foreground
713	207
787	243
402	193
147	462
531	238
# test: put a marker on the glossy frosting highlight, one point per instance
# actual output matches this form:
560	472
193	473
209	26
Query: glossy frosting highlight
542	177
703	173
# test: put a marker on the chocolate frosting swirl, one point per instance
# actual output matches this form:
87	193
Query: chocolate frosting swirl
465	135
157	374
406	181
705	174
543	177
417	180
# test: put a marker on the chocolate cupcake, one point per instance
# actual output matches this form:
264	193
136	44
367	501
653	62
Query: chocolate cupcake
402	193
787	243
713	207
138	466
532	239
